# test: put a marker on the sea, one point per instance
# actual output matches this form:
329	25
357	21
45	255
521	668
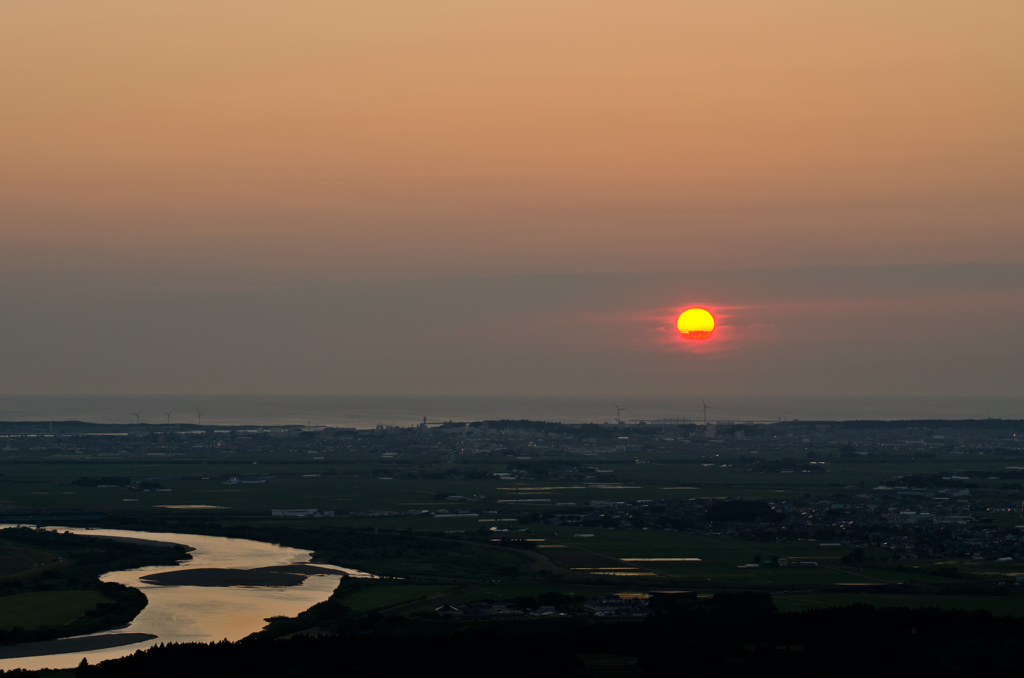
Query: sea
370	411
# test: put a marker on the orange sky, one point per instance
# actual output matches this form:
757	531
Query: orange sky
166	145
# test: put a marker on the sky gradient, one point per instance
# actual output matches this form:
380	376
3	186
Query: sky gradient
511	197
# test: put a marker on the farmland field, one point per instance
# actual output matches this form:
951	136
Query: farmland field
629	512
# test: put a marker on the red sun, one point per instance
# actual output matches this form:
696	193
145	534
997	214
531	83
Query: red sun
695	324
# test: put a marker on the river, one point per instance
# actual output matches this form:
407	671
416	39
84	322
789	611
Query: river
179	614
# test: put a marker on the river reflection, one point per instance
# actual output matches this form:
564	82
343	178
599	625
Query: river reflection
180	614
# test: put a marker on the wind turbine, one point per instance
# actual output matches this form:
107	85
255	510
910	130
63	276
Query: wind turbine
137	417
199	417
168	418
705	410
618	412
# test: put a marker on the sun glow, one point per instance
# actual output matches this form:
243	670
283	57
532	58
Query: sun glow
695	323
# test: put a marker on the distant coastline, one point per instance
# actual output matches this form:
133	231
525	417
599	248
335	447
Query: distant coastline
368	411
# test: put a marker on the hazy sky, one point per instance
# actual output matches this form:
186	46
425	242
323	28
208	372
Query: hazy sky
511	197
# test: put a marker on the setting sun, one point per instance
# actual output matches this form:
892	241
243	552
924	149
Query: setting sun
695	323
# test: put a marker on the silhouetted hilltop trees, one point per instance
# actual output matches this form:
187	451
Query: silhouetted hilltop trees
855	640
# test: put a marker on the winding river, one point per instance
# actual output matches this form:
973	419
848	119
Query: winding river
184	613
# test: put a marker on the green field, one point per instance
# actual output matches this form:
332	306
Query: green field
343	483
387	595
37	609
231	492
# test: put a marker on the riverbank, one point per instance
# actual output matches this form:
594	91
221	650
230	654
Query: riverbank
45	648
52	586
209	604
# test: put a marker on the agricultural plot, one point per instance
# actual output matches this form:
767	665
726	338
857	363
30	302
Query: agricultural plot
628	507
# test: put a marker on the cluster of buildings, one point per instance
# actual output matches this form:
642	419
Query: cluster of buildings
632	605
